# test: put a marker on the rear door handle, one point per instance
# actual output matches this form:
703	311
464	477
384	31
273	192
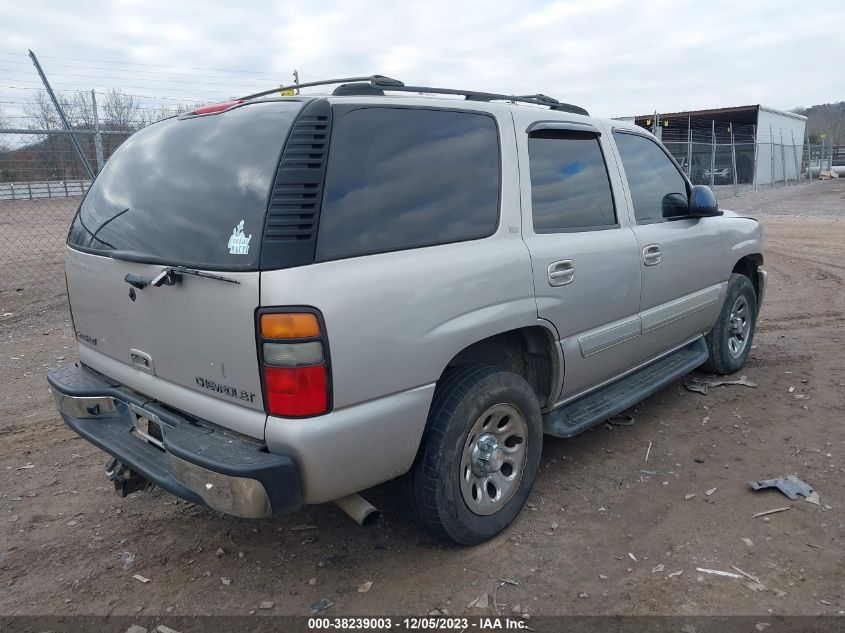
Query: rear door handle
561	273
651	255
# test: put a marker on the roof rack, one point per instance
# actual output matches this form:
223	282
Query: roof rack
387	83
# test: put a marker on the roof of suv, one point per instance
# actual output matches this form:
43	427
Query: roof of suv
376	85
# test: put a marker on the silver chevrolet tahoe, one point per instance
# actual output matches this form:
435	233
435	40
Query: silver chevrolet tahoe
287	300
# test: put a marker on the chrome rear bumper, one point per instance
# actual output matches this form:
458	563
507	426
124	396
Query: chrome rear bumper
192	459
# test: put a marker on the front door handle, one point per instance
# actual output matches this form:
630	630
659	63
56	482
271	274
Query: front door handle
651	255
561	273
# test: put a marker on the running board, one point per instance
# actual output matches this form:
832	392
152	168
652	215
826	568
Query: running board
597	406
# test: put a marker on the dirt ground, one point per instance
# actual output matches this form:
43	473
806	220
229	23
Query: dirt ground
607	531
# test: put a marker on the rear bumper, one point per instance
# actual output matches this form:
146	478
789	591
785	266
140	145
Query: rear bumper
196	460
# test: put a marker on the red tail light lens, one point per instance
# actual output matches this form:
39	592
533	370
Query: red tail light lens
296	391
217	107
294	355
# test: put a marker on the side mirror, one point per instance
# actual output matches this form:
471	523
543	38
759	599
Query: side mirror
675	205
703	202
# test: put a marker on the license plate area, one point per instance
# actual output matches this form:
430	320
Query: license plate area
148	426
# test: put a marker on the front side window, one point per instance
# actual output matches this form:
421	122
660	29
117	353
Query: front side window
570	188
401	178
657	188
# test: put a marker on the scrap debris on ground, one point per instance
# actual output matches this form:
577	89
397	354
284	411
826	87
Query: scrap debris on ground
791	486
702	385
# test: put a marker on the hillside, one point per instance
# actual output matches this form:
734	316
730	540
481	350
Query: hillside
827	118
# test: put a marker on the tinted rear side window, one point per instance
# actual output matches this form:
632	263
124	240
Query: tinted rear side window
570	188
403	178
191	191
657	188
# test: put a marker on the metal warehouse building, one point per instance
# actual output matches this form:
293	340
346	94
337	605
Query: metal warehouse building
742	145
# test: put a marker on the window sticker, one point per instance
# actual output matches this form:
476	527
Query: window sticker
238	242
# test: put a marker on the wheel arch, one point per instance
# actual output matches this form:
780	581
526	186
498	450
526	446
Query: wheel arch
530	351
748	265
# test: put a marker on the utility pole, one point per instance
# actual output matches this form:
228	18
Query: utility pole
296	79
98	138
62	116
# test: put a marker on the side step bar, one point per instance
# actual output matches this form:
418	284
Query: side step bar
577	416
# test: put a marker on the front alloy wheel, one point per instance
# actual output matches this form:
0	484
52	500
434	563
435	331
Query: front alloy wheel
729	342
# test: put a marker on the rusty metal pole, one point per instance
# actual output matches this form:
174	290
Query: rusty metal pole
62	116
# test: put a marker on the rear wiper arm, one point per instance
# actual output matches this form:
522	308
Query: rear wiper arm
170	275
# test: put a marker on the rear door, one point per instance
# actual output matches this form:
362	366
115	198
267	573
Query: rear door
680	257
188	192
584	255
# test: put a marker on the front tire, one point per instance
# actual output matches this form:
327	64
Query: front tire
479	455
729	342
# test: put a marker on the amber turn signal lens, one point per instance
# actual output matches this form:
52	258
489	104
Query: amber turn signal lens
289	325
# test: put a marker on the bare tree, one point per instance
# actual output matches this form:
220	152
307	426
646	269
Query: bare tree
153	115
54	155
44	116
121	111
83	109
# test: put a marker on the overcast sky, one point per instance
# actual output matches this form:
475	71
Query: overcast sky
614	58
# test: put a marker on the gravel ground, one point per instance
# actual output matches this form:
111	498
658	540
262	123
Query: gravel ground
605	532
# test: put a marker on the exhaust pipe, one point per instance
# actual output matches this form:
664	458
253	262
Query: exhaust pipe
359	509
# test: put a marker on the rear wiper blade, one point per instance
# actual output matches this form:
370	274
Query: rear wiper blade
181	270
170	275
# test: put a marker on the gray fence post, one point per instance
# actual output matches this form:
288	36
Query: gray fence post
783	159
98	138
733	158
713	152
689	147
809	157
772	154
754	176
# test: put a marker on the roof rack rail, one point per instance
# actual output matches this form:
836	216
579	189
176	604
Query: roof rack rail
387	83
375	80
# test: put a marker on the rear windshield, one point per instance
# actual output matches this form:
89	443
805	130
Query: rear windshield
188	191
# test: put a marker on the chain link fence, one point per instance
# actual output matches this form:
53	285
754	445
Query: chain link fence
733	158
42	182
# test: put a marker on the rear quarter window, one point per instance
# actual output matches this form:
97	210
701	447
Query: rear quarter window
401	178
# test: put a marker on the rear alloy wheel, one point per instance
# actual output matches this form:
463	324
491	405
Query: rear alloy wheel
479	455
493	459
729	342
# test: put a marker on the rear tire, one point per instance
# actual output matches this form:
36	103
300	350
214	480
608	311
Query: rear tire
729	342
479	455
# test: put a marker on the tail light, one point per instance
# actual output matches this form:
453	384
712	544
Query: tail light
293	351
217	107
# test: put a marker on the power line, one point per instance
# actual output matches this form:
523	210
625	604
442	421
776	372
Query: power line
115	61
